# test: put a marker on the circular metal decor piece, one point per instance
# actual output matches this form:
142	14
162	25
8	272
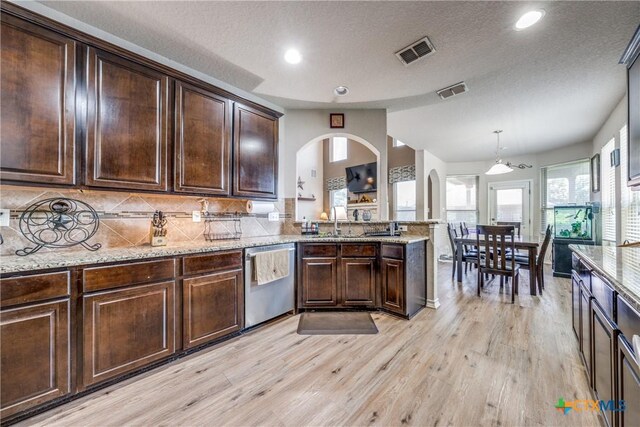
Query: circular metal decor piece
58	223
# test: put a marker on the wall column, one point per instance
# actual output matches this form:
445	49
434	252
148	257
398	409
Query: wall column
432	268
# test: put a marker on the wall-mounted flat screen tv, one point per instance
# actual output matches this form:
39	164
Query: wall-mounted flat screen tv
362	178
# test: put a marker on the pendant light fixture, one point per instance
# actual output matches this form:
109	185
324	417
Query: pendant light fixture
499	167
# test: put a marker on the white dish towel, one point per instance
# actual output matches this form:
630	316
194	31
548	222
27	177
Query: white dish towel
270	266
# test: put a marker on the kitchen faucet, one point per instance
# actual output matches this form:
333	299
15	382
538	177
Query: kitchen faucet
336	226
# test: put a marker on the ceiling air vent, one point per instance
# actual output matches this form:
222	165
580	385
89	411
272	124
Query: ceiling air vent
453	90
415	51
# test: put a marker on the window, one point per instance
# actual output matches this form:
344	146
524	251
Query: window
405	201
338	148
462	196
563	184
629	200
338	197
608	185
398	143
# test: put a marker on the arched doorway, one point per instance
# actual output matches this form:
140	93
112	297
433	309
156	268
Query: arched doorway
433	191
311	198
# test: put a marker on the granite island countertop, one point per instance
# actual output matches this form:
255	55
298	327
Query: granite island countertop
620	265
52	259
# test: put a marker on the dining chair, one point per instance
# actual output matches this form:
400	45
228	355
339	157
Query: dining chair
468	257
464	229
517	225
523	260
498	241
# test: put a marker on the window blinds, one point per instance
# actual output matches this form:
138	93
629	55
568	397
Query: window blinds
608	184
629	200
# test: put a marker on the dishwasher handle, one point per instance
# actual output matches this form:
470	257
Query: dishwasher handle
249	256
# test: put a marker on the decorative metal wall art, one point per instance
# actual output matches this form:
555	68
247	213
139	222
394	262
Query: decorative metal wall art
58	223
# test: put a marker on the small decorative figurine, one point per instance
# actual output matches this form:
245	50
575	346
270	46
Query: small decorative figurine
158	230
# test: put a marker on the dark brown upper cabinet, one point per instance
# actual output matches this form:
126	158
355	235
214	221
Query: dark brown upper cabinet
127	124
255	155
202	141
37	103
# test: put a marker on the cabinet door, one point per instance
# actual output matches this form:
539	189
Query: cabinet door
202	141
575	305
35	355
604	338
319	282
127	328
255	153
358	281
37	137
213	306
628	385
585	329
393	285
126	124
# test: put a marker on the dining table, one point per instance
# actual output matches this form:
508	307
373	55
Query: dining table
522	243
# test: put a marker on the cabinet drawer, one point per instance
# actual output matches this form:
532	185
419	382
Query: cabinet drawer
211	262
319	250
628	320
393	251
24	289
604	294
358	250
114	276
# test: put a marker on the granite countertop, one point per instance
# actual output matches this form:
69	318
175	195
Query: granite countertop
620	265
47	260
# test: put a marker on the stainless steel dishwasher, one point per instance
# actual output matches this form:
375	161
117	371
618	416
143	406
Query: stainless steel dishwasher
270	300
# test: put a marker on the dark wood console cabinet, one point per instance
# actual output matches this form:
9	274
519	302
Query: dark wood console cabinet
604	324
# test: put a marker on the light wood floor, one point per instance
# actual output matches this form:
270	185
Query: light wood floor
474	361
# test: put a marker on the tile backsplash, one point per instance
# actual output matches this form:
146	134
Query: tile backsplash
125	217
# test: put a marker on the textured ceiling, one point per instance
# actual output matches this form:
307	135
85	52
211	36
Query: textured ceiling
551	85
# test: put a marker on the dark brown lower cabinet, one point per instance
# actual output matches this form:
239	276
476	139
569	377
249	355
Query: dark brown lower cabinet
604	338
392	271
585	329
575	304
213	306
320	282
127	328
628	384
359	279
35	355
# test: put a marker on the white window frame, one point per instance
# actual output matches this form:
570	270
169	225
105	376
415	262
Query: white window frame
476	211
333	150
395	201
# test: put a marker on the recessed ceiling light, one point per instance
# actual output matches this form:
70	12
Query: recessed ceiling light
341	90
529	19
292	56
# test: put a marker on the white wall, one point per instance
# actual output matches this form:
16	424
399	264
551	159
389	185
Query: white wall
303	126
561	155
308	159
